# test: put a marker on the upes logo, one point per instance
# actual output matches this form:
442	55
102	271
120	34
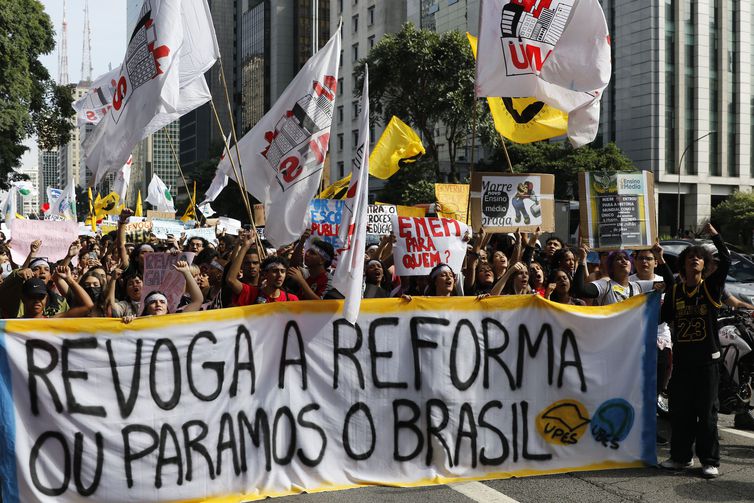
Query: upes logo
563	423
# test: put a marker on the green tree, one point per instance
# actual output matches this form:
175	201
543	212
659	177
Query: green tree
30	101
735	217
427	80
559	159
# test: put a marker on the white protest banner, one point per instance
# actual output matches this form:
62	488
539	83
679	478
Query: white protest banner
161	276
269	400
161	228
56	237
325	215
378	222
138	231
504	203
424	242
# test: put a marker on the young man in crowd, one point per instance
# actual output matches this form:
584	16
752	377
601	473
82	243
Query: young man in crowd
35	297
314	281
691	309
273	273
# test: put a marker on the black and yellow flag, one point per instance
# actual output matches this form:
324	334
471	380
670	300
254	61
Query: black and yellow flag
398	145
524	120
108	205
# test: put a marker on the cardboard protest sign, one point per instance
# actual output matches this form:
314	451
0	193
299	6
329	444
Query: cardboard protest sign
258	212
422	243
325	215
163	215
453	201
378	219
56	237
162	228
267	401
410	211
617	210
504	203
138	232
207	233
231	225
160	276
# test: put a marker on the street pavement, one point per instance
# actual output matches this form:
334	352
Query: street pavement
736	483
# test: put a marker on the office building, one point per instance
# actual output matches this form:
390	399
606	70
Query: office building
47	163
364	24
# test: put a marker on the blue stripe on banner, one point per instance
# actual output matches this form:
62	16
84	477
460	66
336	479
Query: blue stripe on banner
649	371
8	480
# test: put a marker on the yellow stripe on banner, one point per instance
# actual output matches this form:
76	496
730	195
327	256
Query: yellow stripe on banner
238	498
326	307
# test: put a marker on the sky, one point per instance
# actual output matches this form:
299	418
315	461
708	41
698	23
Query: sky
107	21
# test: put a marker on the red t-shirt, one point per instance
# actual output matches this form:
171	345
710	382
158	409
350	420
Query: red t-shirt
253	295
320	284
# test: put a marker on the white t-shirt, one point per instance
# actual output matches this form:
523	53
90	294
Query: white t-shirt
663	330
611	292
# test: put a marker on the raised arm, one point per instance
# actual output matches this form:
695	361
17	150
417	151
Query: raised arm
716	281
191	287
235	266
121	238
33	250
581	288
85	303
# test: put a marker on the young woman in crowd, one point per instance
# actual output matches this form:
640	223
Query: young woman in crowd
376	285
559	288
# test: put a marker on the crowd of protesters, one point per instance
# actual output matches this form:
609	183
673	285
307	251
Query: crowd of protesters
103	276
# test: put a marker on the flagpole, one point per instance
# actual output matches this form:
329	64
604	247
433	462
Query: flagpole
178	163
239	180
232	120
505	151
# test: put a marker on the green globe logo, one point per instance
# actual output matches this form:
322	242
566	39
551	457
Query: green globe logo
167	195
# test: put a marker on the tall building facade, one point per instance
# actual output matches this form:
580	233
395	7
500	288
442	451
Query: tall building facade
276	38
364	24
69	155
47	164
681	98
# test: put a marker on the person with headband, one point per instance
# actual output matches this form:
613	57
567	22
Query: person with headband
314	281
273	277
156	303
617	287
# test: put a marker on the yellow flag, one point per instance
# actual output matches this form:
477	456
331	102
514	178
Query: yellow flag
524	120
190	213
397	145
108	205
138	212
92	220
337	190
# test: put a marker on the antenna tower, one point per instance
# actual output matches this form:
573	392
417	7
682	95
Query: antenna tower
63	52
86	58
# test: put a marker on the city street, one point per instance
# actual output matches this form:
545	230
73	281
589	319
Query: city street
736	483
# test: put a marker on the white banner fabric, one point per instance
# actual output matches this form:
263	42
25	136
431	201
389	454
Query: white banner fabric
283	154
276	399
424	242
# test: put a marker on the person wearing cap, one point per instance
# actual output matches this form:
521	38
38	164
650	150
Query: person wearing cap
273	277
34	298
314	281
617	287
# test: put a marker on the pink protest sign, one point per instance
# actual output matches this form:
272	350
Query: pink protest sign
56	237
424	242
160	276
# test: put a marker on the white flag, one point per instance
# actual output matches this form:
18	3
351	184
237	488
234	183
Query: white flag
283	155
557	51
24	187
93	105
158	195
53	194
161	78
220	181
349	273
9	204
120	183
64	206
